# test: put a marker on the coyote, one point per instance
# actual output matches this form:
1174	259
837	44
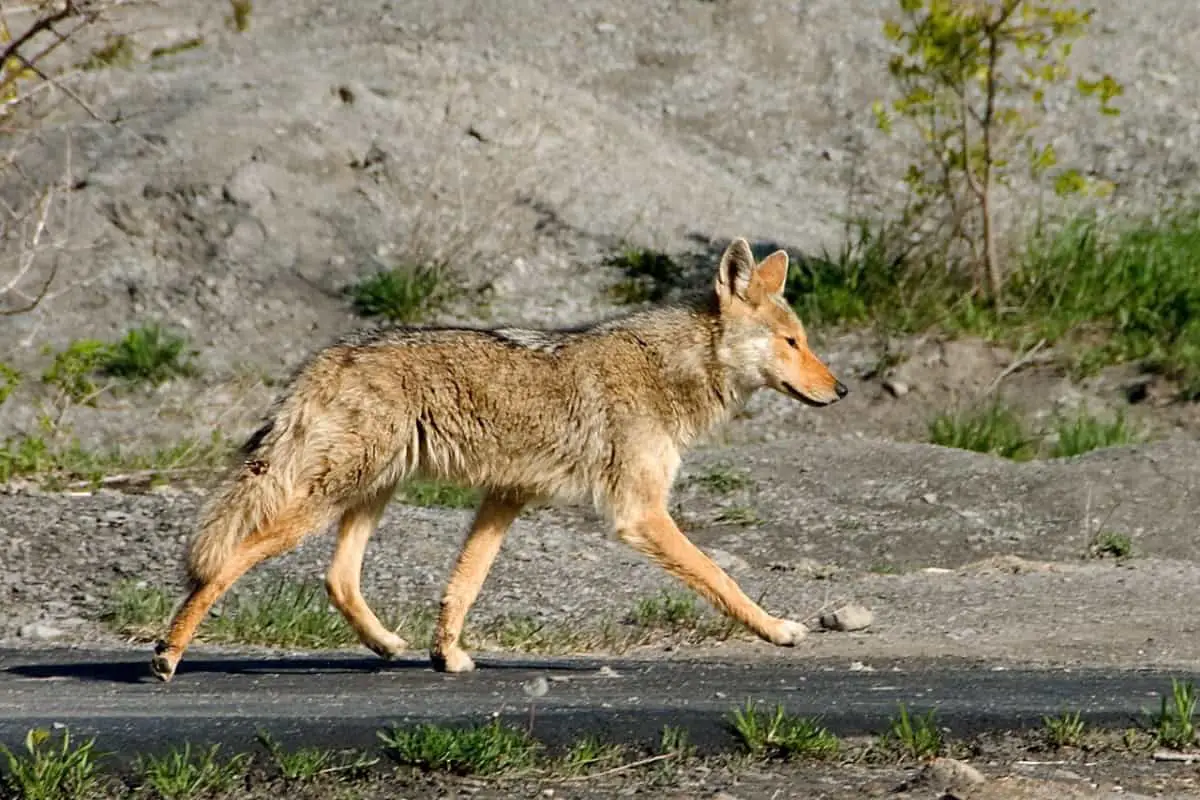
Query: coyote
601	413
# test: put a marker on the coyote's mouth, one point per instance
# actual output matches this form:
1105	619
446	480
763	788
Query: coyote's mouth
803	398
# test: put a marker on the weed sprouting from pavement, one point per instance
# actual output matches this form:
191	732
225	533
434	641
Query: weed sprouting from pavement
1065	730
306	764
183	774
1173	725
490	749
780	735
49	771
914	737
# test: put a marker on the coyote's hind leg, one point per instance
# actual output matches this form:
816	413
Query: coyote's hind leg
273	539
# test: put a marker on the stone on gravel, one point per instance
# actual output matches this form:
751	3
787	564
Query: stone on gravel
39	631
852	617
946	775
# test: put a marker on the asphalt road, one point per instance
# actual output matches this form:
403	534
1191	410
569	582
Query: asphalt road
343	700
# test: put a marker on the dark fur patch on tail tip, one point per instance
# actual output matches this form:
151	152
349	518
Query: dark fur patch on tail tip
256	439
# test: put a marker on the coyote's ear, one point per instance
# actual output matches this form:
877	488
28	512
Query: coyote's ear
735	271
772	272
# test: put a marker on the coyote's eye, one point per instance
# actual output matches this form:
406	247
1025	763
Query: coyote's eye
791	342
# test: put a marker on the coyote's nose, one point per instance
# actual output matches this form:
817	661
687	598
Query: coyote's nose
841	390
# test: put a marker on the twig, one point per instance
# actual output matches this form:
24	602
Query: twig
1170	755
1024	360
623	767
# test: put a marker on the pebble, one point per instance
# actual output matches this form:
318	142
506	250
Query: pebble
39	631
851	617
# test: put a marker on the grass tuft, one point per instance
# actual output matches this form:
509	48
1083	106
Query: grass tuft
183	774
1065	730
1085	432
437	494
995	429
398	295
724	479
913	737
779	735
309	763
46	771
1110	543
149	354
1173	725
649	275
491	749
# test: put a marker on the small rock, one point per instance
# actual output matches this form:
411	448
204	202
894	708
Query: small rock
39	631
896	388
608	672
537	687
947	775
605	27
852	617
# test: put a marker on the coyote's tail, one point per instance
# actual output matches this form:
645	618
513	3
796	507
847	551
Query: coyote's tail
254	495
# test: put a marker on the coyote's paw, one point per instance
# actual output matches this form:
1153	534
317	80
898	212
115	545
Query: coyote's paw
388	647
789	633
163	664
452	660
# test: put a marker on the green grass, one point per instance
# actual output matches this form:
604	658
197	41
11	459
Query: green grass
307	764
180	47
149	354
780	735
1065	730
995	429
286	613
278	613
649	275
1111	544
491	749
74	369
398	295
239	20
591	753
913	737
1173	726
117	51
1085	432
10	379
58	465
182	774
49	770
670	610
1101	291
724	479
740	515
437	494
999	429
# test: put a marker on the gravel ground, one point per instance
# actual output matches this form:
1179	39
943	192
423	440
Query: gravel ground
957	555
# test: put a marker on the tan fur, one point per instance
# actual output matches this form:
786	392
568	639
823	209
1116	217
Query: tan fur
601	414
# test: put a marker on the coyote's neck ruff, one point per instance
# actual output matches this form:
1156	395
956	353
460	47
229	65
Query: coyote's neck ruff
600	413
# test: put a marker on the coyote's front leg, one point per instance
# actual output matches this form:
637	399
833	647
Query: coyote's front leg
655	534
492	521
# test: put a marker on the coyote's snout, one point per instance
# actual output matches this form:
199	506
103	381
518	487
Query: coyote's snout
600	414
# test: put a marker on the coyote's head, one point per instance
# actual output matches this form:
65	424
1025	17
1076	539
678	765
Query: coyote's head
763	341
